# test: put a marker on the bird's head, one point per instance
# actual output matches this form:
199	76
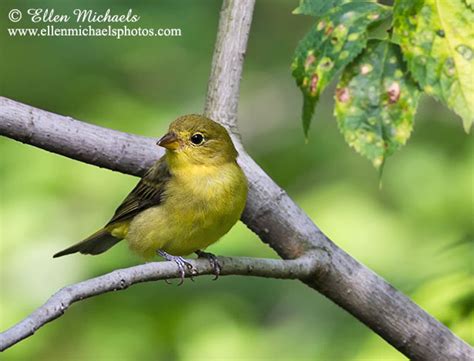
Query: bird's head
198	140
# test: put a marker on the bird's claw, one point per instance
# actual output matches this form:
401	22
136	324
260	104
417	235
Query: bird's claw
216	267
181	263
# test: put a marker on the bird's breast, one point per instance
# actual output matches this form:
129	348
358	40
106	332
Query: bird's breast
207	184
208	197
199	206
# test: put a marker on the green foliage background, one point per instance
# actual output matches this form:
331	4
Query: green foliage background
416	231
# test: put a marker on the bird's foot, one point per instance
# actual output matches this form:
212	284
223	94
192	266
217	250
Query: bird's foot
212	260
181	263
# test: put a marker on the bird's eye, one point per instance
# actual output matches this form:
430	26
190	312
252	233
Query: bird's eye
197	138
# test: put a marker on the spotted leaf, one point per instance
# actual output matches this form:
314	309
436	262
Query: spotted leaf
376	102
437	40
336	39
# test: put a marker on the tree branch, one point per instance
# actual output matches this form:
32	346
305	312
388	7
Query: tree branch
269	211
227	63
123	278
88	143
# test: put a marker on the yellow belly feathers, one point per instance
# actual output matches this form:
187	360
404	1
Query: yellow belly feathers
201	204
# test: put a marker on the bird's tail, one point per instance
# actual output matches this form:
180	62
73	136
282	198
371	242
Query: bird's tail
97	243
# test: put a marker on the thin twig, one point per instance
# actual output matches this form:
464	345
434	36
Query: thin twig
123	278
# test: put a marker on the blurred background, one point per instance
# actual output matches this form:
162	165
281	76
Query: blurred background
416	231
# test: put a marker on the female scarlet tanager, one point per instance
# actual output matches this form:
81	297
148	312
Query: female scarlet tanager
187	200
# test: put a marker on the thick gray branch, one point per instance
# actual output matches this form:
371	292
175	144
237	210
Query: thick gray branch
85	142
123	278
269	212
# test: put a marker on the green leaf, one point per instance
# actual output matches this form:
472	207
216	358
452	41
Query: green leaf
376	102
320	7
336	39
437	40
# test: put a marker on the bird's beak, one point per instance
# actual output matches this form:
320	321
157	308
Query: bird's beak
169	141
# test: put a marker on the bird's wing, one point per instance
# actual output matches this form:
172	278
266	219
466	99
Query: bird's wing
147	193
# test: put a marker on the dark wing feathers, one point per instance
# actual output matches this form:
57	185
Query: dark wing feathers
97	243
147	193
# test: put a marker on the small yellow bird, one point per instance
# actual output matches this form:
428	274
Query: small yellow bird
187	200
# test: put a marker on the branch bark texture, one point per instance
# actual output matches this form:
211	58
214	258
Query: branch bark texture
269	211
227	63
